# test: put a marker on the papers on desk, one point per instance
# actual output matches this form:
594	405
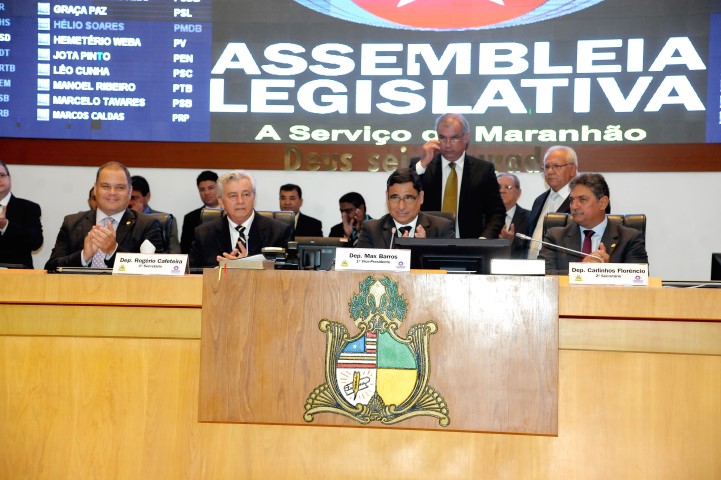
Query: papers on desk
254	262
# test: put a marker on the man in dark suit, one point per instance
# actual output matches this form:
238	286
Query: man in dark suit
591	232
516	215
91	239
454	181
560	166
404	197
140	202
241	232
352	214
206	183
20	229
290	200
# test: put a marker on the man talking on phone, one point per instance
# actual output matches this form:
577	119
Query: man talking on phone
353	214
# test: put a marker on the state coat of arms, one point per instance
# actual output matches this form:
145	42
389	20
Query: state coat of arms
376	375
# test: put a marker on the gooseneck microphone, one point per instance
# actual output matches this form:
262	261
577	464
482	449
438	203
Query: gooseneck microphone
577	252
393	235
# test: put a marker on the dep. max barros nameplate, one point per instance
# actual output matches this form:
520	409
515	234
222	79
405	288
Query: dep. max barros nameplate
373	259
608	273
150	264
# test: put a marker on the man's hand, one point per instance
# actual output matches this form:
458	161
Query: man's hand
601	253
420	232
508	234
351	222
103	236
240	252
430	148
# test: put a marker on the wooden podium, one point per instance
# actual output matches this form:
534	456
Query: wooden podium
491	349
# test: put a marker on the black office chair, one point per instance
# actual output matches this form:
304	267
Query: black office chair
447	215
283	216
632	220
210	214
166	220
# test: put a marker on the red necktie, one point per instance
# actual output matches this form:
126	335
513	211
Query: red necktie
587	241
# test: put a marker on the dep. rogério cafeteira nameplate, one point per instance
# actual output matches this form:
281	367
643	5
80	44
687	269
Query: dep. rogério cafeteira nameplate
375	374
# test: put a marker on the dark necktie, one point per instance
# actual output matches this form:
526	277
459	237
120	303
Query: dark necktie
403	230
587	241
242	239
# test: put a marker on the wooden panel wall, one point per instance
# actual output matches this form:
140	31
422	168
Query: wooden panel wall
697	157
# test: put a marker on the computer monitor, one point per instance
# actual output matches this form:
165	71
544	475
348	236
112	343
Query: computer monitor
318	253
716	266
455	255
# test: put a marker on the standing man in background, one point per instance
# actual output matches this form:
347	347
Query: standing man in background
206	183
91	239
290	200
516	215
560	166
20	229
458	183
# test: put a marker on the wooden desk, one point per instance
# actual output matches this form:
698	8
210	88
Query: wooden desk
90	390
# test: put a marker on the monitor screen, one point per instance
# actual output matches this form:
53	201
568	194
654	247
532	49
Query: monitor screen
716	266
462	255
318	253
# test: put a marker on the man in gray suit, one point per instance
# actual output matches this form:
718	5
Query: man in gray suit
404	197
590	231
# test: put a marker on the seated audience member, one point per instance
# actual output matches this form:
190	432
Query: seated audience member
20	229
206	183
91	239
590	231
516	215
92	201
290	200
139	202
353	214
404	197
241	231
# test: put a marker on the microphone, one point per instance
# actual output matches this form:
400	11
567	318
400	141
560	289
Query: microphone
526	237
393	235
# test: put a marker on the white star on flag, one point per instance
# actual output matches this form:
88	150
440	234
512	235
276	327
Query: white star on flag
403	3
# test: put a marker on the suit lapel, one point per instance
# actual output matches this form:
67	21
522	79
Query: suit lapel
125	226
258	235
387	231
535	215
610	238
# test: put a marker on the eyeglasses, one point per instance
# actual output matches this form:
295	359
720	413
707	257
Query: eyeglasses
3	175
507	187
451	140
556	166
406	198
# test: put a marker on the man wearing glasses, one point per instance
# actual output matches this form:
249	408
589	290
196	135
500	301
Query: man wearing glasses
560	166
516	215
404	197
456	182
